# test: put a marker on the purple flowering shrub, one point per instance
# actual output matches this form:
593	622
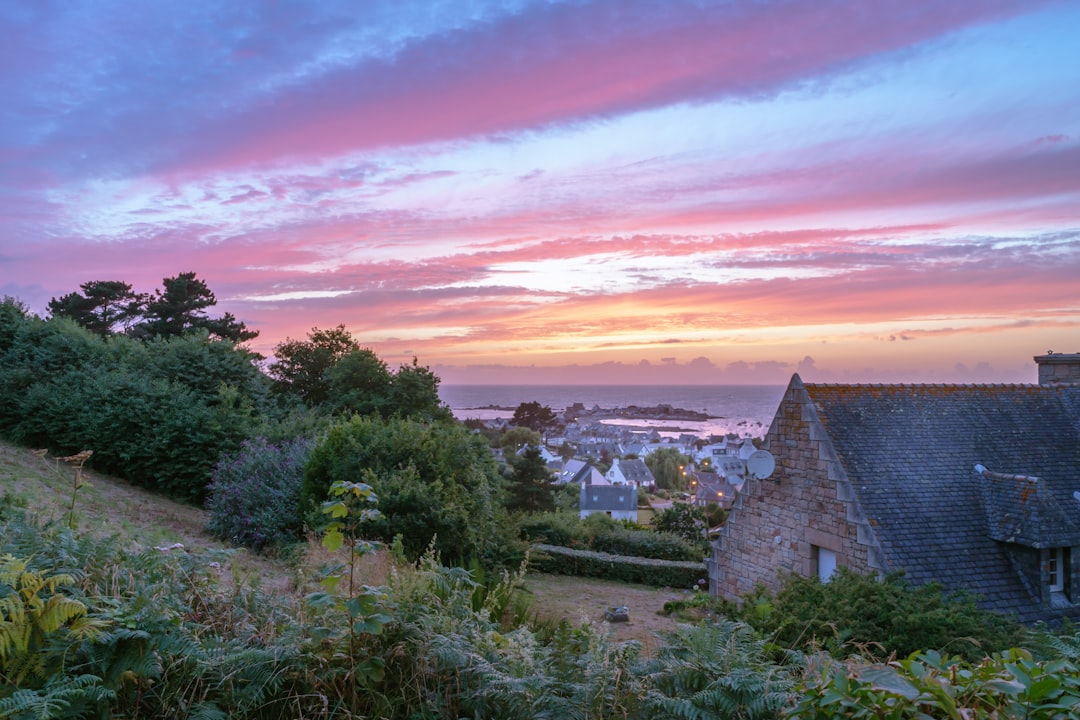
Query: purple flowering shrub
254	492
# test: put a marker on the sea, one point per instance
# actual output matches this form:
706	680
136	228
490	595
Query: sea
744	410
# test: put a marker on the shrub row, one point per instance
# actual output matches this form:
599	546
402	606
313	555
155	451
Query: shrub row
645	571
157	413
602	534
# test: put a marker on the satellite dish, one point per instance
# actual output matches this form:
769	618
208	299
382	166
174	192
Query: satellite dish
760	464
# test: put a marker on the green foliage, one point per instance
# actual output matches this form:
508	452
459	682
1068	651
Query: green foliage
538	418
414	393
301	365
103	307
513	439
859	613
33	608
171	639
180	307
13	316
255	492
686	520
645	571
435	481
358	382
718	670
362	611
602	534
531	488
331	372
158	413
107	306
667	466
929	685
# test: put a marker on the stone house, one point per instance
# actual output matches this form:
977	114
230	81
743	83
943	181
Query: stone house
976	487
713	488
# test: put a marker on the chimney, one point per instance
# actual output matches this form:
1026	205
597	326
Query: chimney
1058	368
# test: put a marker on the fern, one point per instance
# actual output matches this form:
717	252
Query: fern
32	609
62	697
717	670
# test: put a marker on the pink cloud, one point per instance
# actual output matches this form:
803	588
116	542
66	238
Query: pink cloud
568	62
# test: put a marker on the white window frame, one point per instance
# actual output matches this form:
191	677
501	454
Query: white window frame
1055	569
825	563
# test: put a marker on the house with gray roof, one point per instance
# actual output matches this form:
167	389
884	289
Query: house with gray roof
615	501
634	472
976	487
579	472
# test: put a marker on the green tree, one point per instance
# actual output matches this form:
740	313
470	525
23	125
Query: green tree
358	382
102	308
414	392
13	315
535	416
513	439
667	466
683	519
180	306
301	366
434	480
158	414
531	489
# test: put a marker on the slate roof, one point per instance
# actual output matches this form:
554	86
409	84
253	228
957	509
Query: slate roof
910	453
637	472
574	471
609	498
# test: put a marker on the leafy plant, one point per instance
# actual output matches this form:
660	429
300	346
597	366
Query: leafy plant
254	493
33	610
434	481
363	607
718	670
1006	685
854	613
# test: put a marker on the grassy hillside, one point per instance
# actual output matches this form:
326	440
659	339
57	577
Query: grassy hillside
108	507
104	505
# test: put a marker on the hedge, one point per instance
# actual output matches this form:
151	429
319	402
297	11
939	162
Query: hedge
646	571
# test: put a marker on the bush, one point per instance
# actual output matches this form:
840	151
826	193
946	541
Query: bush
255	492
435	481
928	685
602	534
644	571
158	414
858	613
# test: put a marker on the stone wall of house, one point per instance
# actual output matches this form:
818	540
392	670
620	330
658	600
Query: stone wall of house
777	522
1058	368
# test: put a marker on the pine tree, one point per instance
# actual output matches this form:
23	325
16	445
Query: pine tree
531	489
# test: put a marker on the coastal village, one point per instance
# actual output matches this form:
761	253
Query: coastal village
605	458
974	487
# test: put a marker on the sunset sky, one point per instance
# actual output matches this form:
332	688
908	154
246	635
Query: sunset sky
594	191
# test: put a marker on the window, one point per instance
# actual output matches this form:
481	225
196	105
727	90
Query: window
825	561
1057	569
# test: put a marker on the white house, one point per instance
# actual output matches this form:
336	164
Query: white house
634	472
616	501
